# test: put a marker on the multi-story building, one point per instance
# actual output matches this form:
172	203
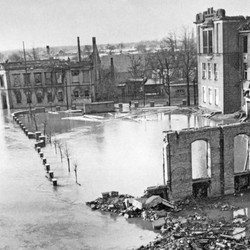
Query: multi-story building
244	39
51	82
219	44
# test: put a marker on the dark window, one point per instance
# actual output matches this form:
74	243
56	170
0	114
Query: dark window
86	93
60	96
1	81
210	41
245	44
38	78
205	46
49	96
207	41
18	96
245	71
76	93
39	97
29	99
75	72
26	78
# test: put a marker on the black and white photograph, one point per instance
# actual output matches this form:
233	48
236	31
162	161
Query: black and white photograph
124	125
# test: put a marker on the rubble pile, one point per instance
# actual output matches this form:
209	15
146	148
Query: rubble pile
199	232
114	204
149	209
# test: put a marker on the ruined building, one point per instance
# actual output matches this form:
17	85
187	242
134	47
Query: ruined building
223	47
51	82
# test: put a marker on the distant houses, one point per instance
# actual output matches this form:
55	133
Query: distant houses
50	82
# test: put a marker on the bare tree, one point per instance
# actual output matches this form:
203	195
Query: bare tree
33	54
107	88
141	47
165	63
110	47
136	66
188	55
75	170
45	122
67	154
60	147
2	57
16	57
55	142
87	50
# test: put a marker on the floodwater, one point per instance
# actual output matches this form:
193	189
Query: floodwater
117	152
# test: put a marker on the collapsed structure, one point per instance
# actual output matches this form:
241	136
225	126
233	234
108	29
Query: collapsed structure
209	161
50	82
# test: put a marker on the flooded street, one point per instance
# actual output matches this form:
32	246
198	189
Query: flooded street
112	154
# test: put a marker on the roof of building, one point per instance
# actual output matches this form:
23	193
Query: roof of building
122	62
52	63
207	17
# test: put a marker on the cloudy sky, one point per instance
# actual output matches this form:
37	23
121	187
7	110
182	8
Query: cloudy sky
58	22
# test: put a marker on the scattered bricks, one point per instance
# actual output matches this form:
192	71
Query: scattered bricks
41	154
126	216
105	195
51	174
47	167
37	134
38	149
44	161
31	135
26	131
157	224
54	181
36	145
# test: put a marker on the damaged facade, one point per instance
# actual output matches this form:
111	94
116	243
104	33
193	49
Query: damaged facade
223	61
52	82
218	165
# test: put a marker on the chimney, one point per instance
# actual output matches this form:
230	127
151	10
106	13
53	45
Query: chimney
93	41
79	49
112	69
48	50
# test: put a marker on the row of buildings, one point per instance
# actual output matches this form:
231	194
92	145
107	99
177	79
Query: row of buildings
54	82
223	51
50	82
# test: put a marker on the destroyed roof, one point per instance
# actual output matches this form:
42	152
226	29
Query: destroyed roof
47	63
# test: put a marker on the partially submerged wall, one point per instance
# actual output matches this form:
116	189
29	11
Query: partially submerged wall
179	165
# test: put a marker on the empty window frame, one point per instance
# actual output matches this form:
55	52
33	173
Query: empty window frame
216	75
209	68
204	70
207	41
245	71
216	96
210	96
245	43
204	97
